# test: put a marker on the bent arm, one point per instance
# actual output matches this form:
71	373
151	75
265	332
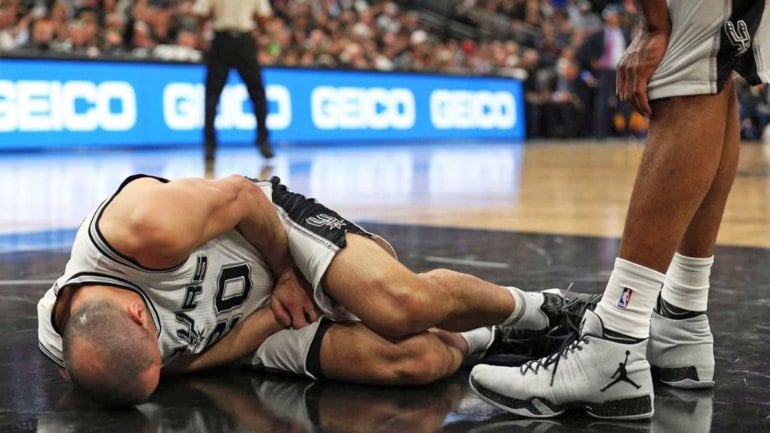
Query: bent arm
160	224
243	339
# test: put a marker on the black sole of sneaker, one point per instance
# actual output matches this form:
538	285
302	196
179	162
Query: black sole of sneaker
684	377
531	408
637	408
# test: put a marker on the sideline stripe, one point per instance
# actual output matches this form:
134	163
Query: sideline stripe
37	241
25	282
465	262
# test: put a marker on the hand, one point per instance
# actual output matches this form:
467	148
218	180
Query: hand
291	303
635	69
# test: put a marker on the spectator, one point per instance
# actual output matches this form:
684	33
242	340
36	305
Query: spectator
13	31
182	50
755	110
41	36
600	55
565	112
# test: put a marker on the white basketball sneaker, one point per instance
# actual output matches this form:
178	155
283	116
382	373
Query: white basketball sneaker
606	378
681	351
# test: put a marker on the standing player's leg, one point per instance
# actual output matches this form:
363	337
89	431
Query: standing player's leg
681	344
676	173
678	168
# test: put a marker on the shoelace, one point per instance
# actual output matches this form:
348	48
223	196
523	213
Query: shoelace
570	344
574	309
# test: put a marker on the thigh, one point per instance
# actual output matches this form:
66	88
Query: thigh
369	282
317	235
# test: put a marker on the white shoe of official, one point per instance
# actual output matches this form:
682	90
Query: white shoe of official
606	378
681	351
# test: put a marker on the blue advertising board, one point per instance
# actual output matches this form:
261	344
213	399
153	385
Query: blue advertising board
67	103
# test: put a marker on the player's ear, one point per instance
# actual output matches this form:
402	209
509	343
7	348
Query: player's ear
136	313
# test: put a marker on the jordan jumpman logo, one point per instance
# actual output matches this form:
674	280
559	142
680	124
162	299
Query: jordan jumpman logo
622	375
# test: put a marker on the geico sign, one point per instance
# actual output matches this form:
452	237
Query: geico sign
362	108
462	109
183	107
66	106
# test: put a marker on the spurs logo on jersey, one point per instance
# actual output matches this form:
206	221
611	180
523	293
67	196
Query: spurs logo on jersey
323	219
739	37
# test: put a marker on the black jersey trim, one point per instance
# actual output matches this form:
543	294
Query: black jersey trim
86	278
51	357
101	243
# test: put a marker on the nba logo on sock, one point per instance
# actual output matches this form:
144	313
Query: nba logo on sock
625	297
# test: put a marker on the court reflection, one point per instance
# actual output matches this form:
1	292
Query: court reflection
238	402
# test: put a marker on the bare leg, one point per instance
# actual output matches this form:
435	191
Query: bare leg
701	235
680	164
354	353
394	301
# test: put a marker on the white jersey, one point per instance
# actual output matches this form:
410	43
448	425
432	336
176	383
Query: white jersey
193	304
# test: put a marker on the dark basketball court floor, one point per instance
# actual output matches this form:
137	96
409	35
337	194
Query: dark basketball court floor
33	398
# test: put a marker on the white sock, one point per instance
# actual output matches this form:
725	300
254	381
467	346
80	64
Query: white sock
526	310
478	339
687	282
628	300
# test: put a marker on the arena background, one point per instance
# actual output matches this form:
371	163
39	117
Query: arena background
462	130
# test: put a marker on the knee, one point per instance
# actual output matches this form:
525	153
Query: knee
405	306
437	276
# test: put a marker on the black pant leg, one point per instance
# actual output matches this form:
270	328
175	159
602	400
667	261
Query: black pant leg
217	67
604	104
250	72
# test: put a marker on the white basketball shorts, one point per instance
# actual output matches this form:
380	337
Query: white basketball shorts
710	40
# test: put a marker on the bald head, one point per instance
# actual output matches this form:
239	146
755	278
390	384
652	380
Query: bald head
110	356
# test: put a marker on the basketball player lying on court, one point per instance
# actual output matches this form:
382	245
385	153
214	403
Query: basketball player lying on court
172	277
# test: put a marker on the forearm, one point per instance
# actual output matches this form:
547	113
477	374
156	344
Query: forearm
245	338
655	15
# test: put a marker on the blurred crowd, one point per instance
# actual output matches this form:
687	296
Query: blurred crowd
559	48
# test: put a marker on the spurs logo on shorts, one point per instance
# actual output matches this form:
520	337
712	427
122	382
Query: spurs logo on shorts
323	219
740	38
